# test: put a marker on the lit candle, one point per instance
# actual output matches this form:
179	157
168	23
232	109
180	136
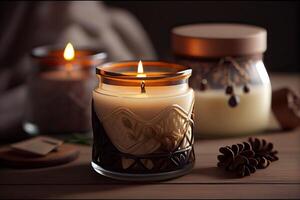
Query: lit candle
140	113
69	55
140	71
59	93
69	52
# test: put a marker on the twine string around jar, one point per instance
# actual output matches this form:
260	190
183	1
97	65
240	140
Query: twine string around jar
224	65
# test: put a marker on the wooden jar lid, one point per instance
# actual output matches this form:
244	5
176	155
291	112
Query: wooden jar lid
218	40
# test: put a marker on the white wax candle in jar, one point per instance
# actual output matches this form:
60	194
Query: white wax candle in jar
59	90
231	84
142	120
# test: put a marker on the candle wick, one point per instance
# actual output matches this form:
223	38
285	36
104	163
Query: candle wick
143	87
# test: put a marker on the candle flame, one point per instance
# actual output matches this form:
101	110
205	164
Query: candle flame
140	70
69	52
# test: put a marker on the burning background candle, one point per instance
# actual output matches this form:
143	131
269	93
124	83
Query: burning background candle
142	120
59	91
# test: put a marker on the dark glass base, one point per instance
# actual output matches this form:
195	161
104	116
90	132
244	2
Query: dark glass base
107	159
143	177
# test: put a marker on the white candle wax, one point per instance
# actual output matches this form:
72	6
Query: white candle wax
213	116
147	105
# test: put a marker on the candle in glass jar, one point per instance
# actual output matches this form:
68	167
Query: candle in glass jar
142	113
59	92
232	86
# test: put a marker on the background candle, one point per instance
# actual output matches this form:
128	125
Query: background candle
232	86
59	91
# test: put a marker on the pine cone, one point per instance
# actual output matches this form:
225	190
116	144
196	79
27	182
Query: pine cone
238	158
264	152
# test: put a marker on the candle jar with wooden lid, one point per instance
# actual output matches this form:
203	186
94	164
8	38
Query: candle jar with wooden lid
59	89
143	121
231	84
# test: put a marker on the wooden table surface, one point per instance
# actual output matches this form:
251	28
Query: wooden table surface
280	180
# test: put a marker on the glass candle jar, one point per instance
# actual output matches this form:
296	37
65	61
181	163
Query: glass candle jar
142	121
59	90
231	84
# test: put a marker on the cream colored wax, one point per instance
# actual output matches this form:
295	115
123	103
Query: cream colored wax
146	105
213	116
134	121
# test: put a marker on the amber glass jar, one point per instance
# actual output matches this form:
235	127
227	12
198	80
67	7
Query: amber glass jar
231	84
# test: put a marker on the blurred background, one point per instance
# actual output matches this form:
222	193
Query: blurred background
280	18
28	24
126	30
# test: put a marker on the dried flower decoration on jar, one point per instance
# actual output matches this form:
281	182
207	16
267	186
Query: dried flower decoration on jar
232	87
143	121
